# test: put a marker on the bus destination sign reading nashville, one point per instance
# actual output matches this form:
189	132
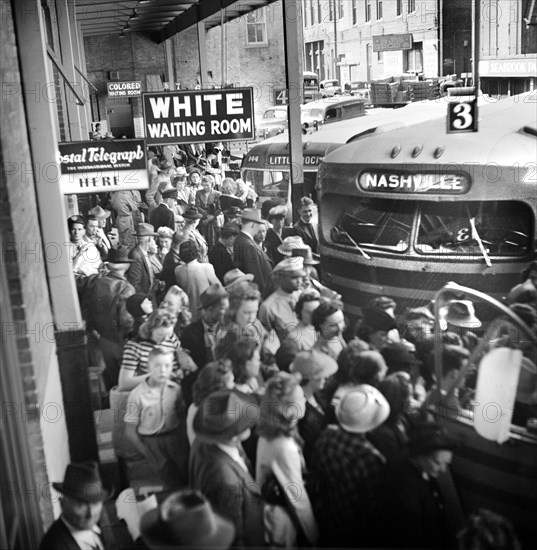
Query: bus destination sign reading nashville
406	183
199	116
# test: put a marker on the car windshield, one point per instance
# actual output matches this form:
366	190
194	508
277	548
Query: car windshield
275	114
331	83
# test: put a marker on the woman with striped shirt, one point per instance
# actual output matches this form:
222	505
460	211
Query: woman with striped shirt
156	331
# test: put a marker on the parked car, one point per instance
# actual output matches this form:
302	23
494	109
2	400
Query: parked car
329	88
359	89
331	109
273	122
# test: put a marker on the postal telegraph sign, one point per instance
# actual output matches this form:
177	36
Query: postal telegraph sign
102	166
198	116
124	89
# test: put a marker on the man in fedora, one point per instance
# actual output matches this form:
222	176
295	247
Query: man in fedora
107	313
103	216
201	337
186	519
140	274
95	234
346	470
219	467
127	207
164	214
221	254
247	255
278	310
82	495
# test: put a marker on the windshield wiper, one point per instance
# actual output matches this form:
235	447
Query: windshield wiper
475	235
359	248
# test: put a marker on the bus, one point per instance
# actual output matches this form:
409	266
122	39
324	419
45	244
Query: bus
311	86
406	211
266	164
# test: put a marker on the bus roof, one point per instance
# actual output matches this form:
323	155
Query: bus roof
334	135
507	135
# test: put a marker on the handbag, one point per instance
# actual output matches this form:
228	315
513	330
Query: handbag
273	492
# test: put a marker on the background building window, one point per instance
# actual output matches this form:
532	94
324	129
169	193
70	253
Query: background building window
379	9
399	7
354	12
413	59
319	11
256	27
341	13
312	12
411	6
367	10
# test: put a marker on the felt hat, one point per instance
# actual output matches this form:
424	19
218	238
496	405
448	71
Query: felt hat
134	304
290	265
417	313
212	295
82	481
362	409
186	520
427	437
180	171
145	230
76	219
119	255
383	302
279	211
169	194
524	292
460	313
192	213
397	353
225	414
290	243
233	212
99	212
252	215
377	319
312	363
309	257
236	276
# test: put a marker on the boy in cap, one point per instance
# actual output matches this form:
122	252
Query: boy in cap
219	468
154	420
82	495
278	310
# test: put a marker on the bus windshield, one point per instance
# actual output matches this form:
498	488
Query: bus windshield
456	228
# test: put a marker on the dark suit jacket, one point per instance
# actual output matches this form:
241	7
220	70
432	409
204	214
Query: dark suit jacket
221	260
58	537
193	340
309	234
138	273
170	262
162	216
272	241
249	257
231	491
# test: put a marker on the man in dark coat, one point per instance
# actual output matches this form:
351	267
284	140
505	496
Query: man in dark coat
82	497
221	254
247	255
303	227
106	310
163	215
201	337
140	274
219	467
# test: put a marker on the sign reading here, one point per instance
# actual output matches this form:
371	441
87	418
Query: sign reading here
124	89
199	116
97	166
392	42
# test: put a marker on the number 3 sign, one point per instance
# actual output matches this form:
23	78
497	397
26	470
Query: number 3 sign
462	117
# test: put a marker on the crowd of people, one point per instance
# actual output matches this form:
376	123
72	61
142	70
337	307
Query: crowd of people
244	387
